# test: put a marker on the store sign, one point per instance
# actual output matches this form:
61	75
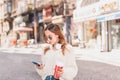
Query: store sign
86	12
108	5
108	17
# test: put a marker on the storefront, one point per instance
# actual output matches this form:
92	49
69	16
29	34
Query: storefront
108	21
88	28
102	24
22	34
110	25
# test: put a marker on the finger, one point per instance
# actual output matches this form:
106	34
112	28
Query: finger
60	73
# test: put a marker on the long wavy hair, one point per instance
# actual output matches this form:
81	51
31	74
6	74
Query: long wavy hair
56	30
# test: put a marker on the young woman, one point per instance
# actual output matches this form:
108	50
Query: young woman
58	52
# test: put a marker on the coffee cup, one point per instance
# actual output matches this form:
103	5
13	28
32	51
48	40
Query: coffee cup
58	67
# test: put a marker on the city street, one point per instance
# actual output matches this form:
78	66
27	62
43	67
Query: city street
29	28
15	66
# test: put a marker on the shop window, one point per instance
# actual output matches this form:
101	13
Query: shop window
9	5
115	32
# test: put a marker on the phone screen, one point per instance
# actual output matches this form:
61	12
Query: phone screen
36	63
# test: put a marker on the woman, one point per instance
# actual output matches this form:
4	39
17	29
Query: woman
58	52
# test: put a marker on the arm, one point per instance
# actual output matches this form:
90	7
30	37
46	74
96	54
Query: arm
70	70
40	69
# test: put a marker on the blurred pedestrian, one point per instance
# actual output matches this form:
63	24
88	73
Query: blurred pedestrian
58	52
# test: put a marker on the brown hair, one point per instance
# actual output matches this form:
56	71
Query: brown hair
56	30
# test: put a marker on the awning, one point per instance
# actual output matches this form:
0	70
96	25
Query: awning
57	19
107	17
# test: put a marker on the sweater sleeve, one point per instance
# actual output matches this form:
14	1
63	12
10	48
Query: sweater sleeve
70	68
41	72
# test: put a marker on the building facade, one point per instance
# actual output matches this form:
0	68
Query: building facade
26	19
100	21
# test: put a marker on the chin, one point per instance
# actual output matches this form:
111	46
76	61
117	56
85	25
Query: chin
51	43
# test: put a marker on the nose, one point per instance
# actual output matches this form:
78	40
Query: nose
48	41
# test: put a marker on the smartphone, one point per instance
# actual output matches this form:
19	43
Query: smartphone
36	63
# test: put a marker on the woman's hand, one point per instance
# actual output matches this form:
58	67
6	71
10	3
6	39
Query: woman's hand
40	67
60	72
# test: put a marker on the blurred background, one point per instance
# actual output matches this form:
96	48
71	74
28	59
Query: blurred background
92	24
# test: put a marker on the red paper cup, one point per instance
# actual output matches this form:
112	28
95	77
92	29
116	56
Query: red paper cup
58	67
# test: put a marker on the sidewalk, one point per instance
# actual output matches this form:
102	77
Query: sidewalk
112	57
18	50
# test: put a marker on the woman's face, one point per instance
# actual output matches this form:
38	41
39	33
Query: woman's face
52	38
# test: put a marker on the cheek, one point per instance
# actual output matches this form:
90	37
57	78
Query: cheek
54	39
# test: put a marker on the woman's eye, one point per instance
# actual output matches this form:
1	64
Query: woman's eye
50	38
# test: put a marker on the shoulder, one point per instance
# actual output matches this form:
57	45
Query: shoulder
70	51
68	46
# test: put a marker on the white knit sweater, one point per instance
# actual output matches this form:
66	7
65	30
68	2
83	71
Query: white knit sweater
52	57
